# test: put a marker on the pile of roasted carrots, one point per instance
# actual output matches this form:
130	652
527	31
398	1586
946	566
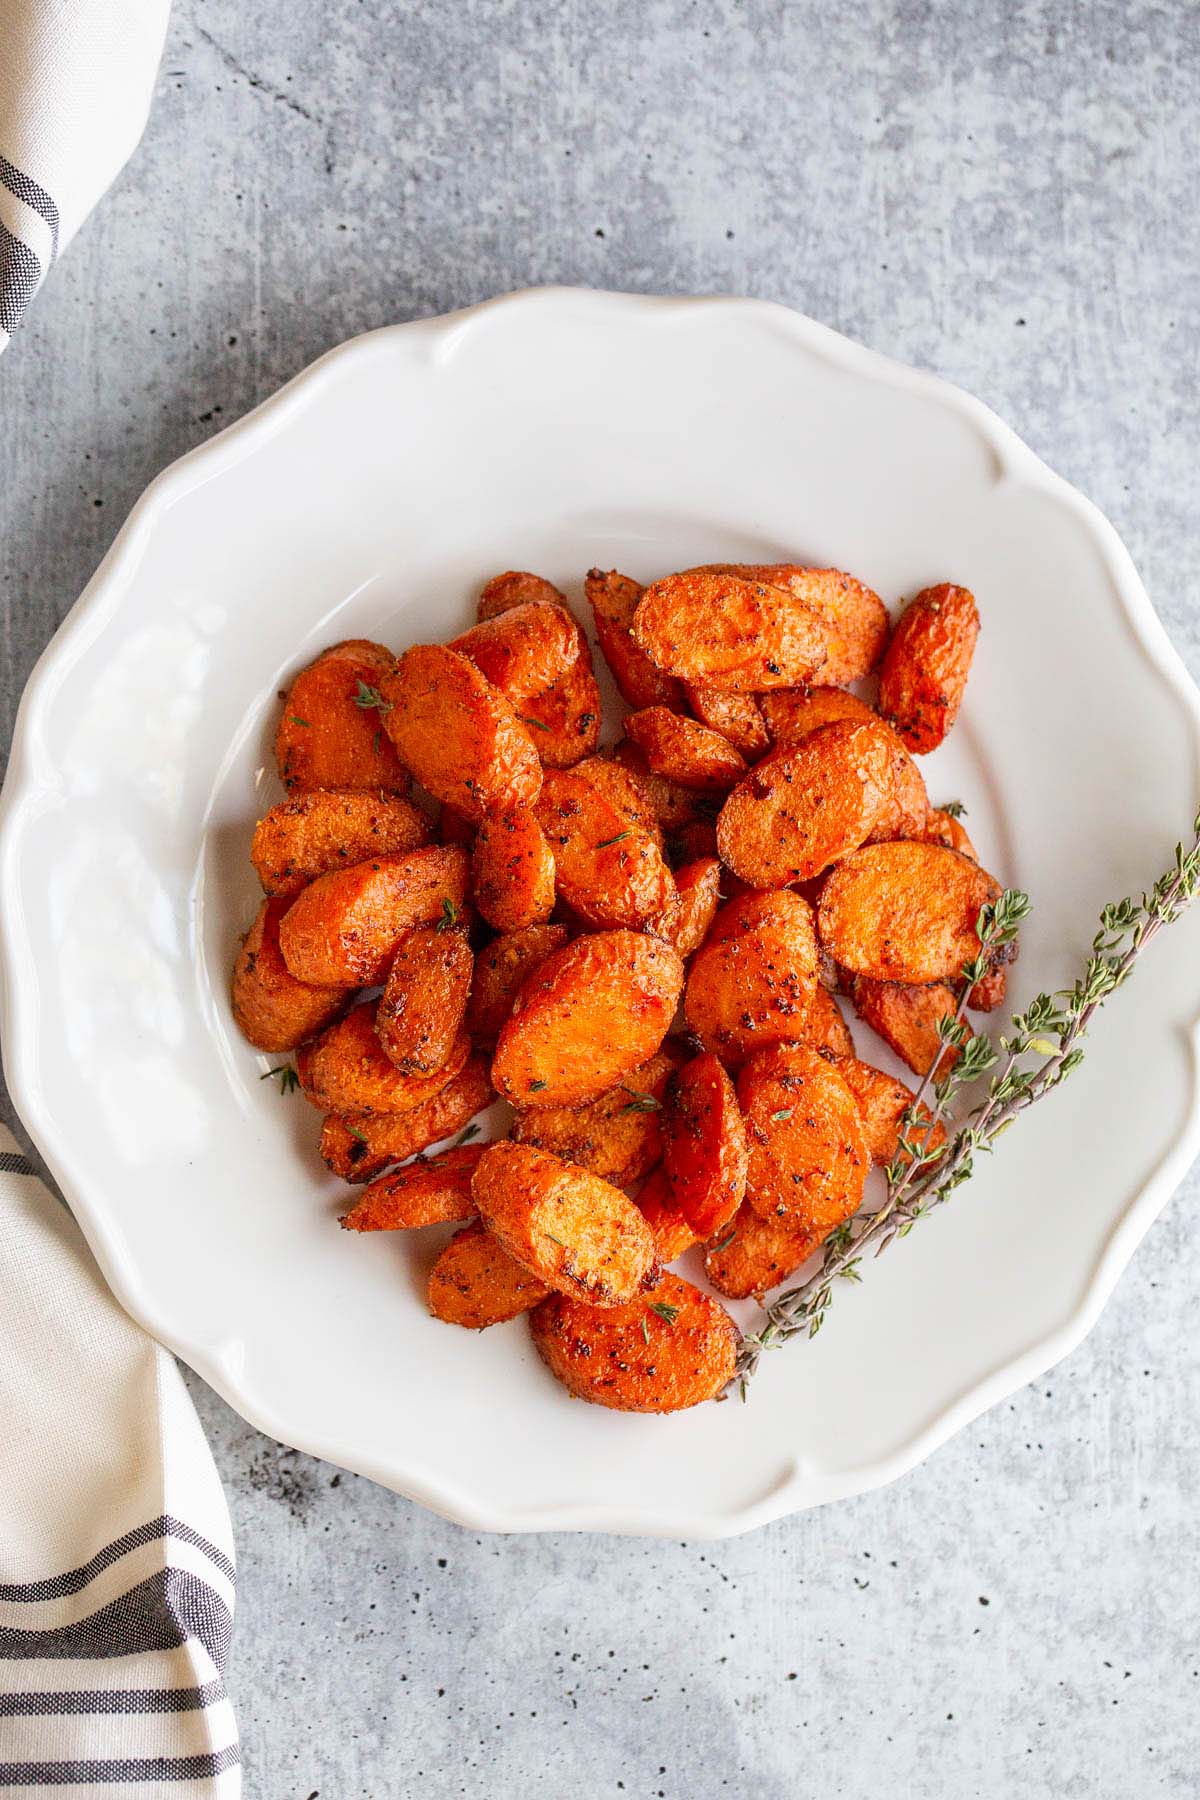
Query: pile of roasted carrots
637	948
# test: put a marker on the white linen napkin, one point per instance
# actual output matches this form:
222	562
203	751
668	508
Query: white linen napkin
116	1555
76	79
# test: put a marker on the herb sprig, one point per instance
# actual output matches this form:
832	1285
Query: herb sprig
286	1076
923	1174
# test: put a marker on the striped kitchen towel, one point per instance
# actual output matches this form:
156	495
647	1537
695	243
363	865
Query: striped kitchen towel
76	78
116	1557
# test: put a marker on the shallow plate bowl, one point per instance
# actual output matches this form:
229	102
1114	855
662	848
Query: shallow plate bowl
555	430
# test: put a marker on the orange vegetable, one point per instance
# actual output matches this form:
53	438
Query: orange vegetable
656	1356
808	805
904	912
476	1283
807	1150
607	870
854	619
458	734
724	631
329	733
753	980
358	1148
792	713
345	1069
882	1103
512	871
795	713
673	806
682	751
753	1254
737	717
589	1015
625	789
613	599
906	811
522	650
906	1018
344	927
617	1136
500	968
805	853
825	1028
928	660
424	1000
429	1191
302	838
704	1145
273	1010
990	993
685	922
656	1203
576	1233
563	721
943	828
516	587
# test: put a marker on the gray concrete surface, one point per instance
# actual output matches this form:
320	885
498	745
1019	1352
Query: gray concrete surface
1005	192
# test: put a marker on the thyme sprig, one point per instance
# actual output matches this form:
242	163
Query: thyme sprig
285	1074
925	1171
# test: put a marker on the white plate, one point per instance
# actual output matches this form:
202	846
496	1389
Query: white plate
553	430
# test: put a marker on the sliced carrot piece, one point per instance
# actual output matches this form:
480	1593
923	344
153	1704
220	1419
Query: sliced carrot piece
807	1149
424	1000
904	911
704	1145
476	1283
429	1191
576	1233
459	735
273	1009
655	1356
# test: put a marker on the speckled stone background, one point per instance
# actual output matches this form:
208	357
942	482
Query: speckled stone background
1002	190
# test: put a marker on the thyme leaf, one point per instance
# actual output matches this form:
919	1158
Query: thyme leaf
289	1081
367	697
639	1103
